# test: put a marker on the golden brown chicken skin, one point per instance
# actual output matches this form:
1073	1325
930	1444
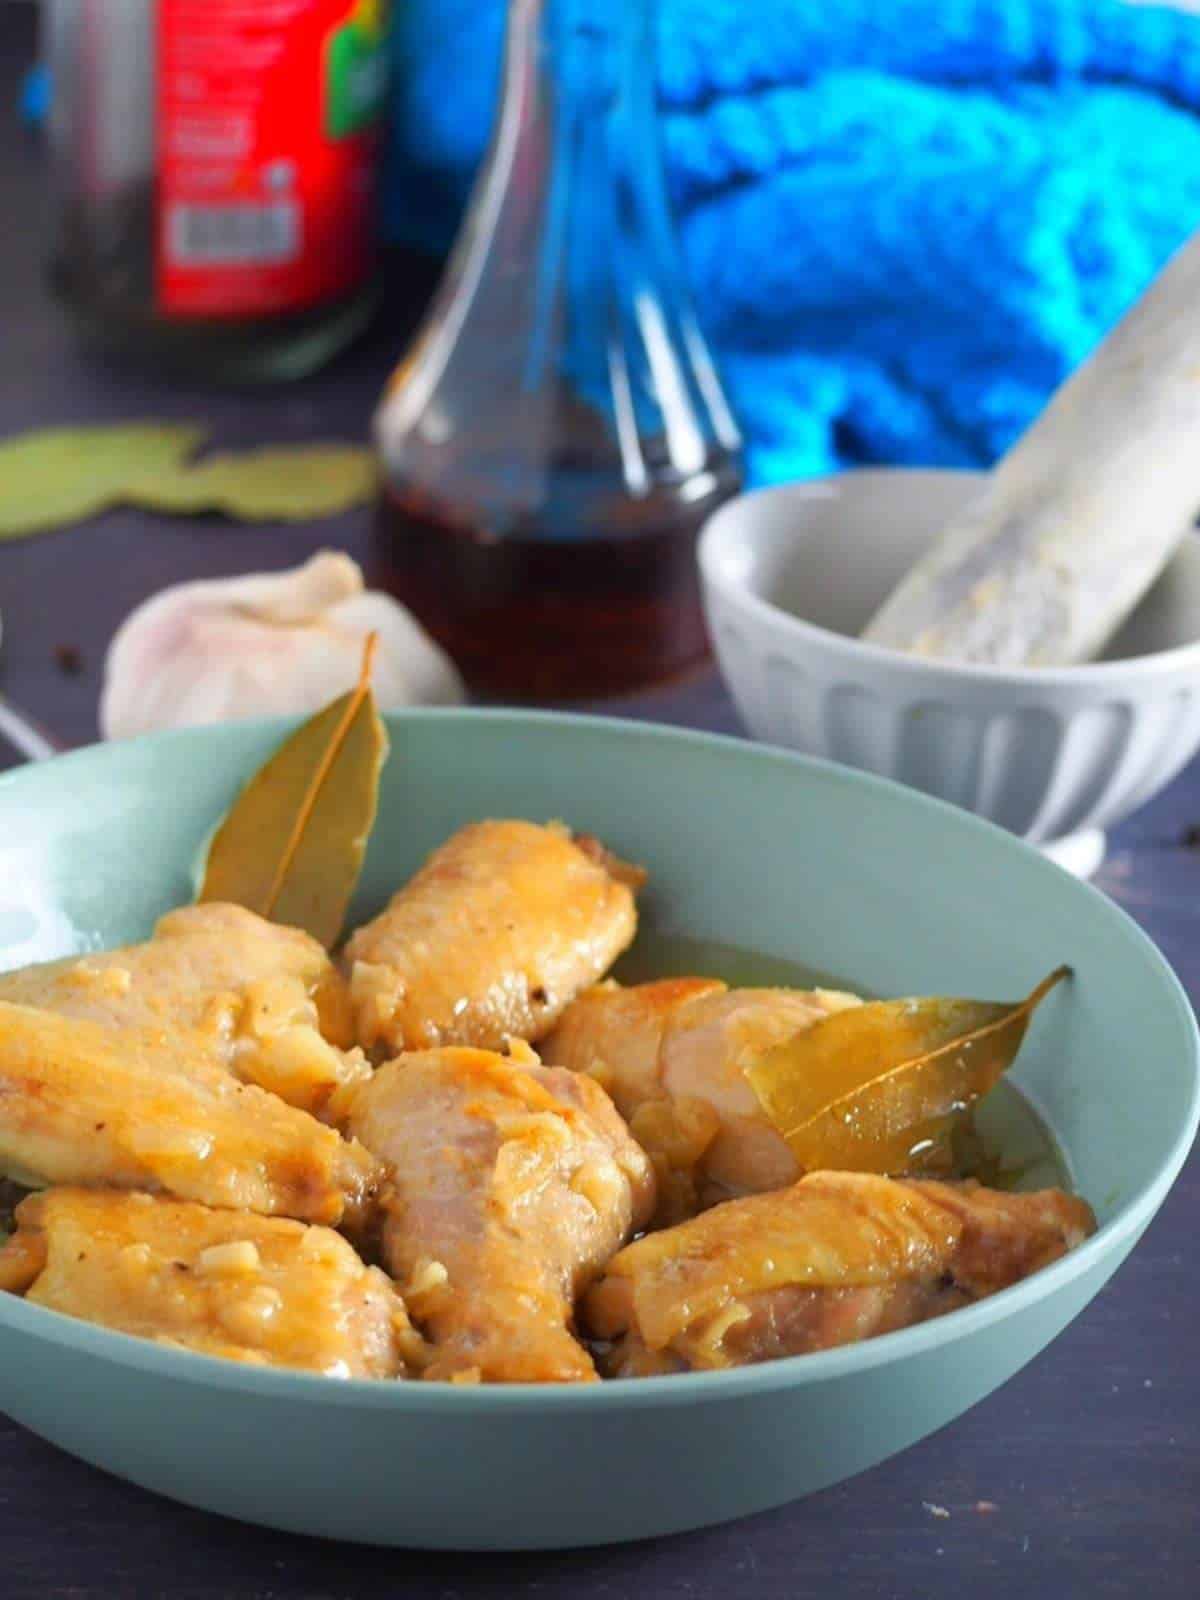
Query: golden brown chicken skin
496	934
255	1289
673	1056
85	1103
835	1258
511	1185
265	1002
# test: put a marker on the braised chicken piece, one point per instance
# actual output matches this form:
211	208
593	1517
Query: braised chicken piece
835	1258
265	1002
616	1034
496	934
673	1056
82	1102
511	1185
255	1289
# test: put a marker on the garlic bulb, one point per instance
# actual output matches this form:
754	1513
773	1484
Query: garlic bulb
264	645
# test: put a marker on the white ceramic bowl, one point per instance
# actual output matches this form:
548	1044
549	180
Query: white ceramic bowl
792	574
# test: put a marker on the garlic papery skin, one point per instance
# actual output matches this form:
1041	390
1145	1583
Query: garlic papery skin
267	644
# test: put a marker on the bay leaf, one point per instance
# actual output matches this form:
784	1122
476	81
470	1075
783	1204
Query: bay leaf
280	483
292	846
55	476
881	1087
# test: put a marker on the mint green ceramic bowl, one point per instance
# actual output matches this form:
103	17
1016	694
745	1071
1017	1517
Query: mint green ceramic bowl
756	849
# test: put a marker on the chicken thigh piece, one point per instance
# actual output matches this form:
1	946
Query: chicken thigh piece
511	1184
255	1289
673	1055
85	1103
835	1258
264	1001
496	934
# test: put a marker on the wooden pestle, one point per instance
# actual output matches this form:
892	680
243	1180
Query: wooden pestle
1075	523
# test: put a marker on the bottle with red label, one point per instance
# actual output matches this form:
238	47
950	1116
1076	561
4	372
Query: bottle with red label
214	165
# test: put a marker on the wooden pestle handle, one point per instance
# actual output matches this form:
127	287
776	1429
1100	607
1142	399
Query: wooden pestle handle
1079	518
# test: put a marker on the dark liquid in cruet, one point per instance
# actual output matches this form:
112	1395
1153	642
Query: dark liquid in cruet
535	617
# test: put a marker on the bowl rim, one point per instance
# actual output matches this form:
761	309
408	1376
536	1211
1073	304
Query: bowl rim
716	537
130	1351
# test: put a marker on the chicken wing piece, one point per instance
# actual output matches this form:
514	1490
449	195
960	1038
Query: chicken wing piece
616	1035
511	1185
85	1103
673	1055
498	931
257	1289
836	1258
265	1002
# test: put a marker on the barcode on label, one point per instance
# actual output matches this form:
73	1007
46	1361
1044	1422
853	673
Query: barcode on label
251	235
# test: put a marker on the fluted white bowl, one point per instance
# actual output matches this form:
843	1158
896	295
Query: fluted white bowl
791	575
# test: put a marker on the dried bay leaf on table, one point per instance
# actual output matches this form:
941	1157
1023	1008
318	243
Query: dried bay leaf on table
881	1087
292	846
54	476
279	483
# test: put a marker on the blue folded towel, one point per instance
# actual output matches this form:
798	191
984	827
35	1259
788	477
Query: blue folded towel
905	220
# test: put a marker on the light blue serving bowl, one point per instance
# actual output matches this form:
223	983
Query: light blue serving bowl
745	846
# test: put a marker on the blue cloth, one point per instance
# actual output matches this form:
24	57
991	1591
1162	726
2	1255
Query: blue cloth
33	103
905	220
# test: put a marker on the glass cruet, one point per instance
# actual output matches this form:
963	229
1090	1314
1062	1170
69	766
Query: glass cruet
557	434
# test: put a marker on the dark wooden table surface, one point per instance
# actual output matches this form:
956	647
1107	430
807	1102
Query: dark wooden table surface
1080	1478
